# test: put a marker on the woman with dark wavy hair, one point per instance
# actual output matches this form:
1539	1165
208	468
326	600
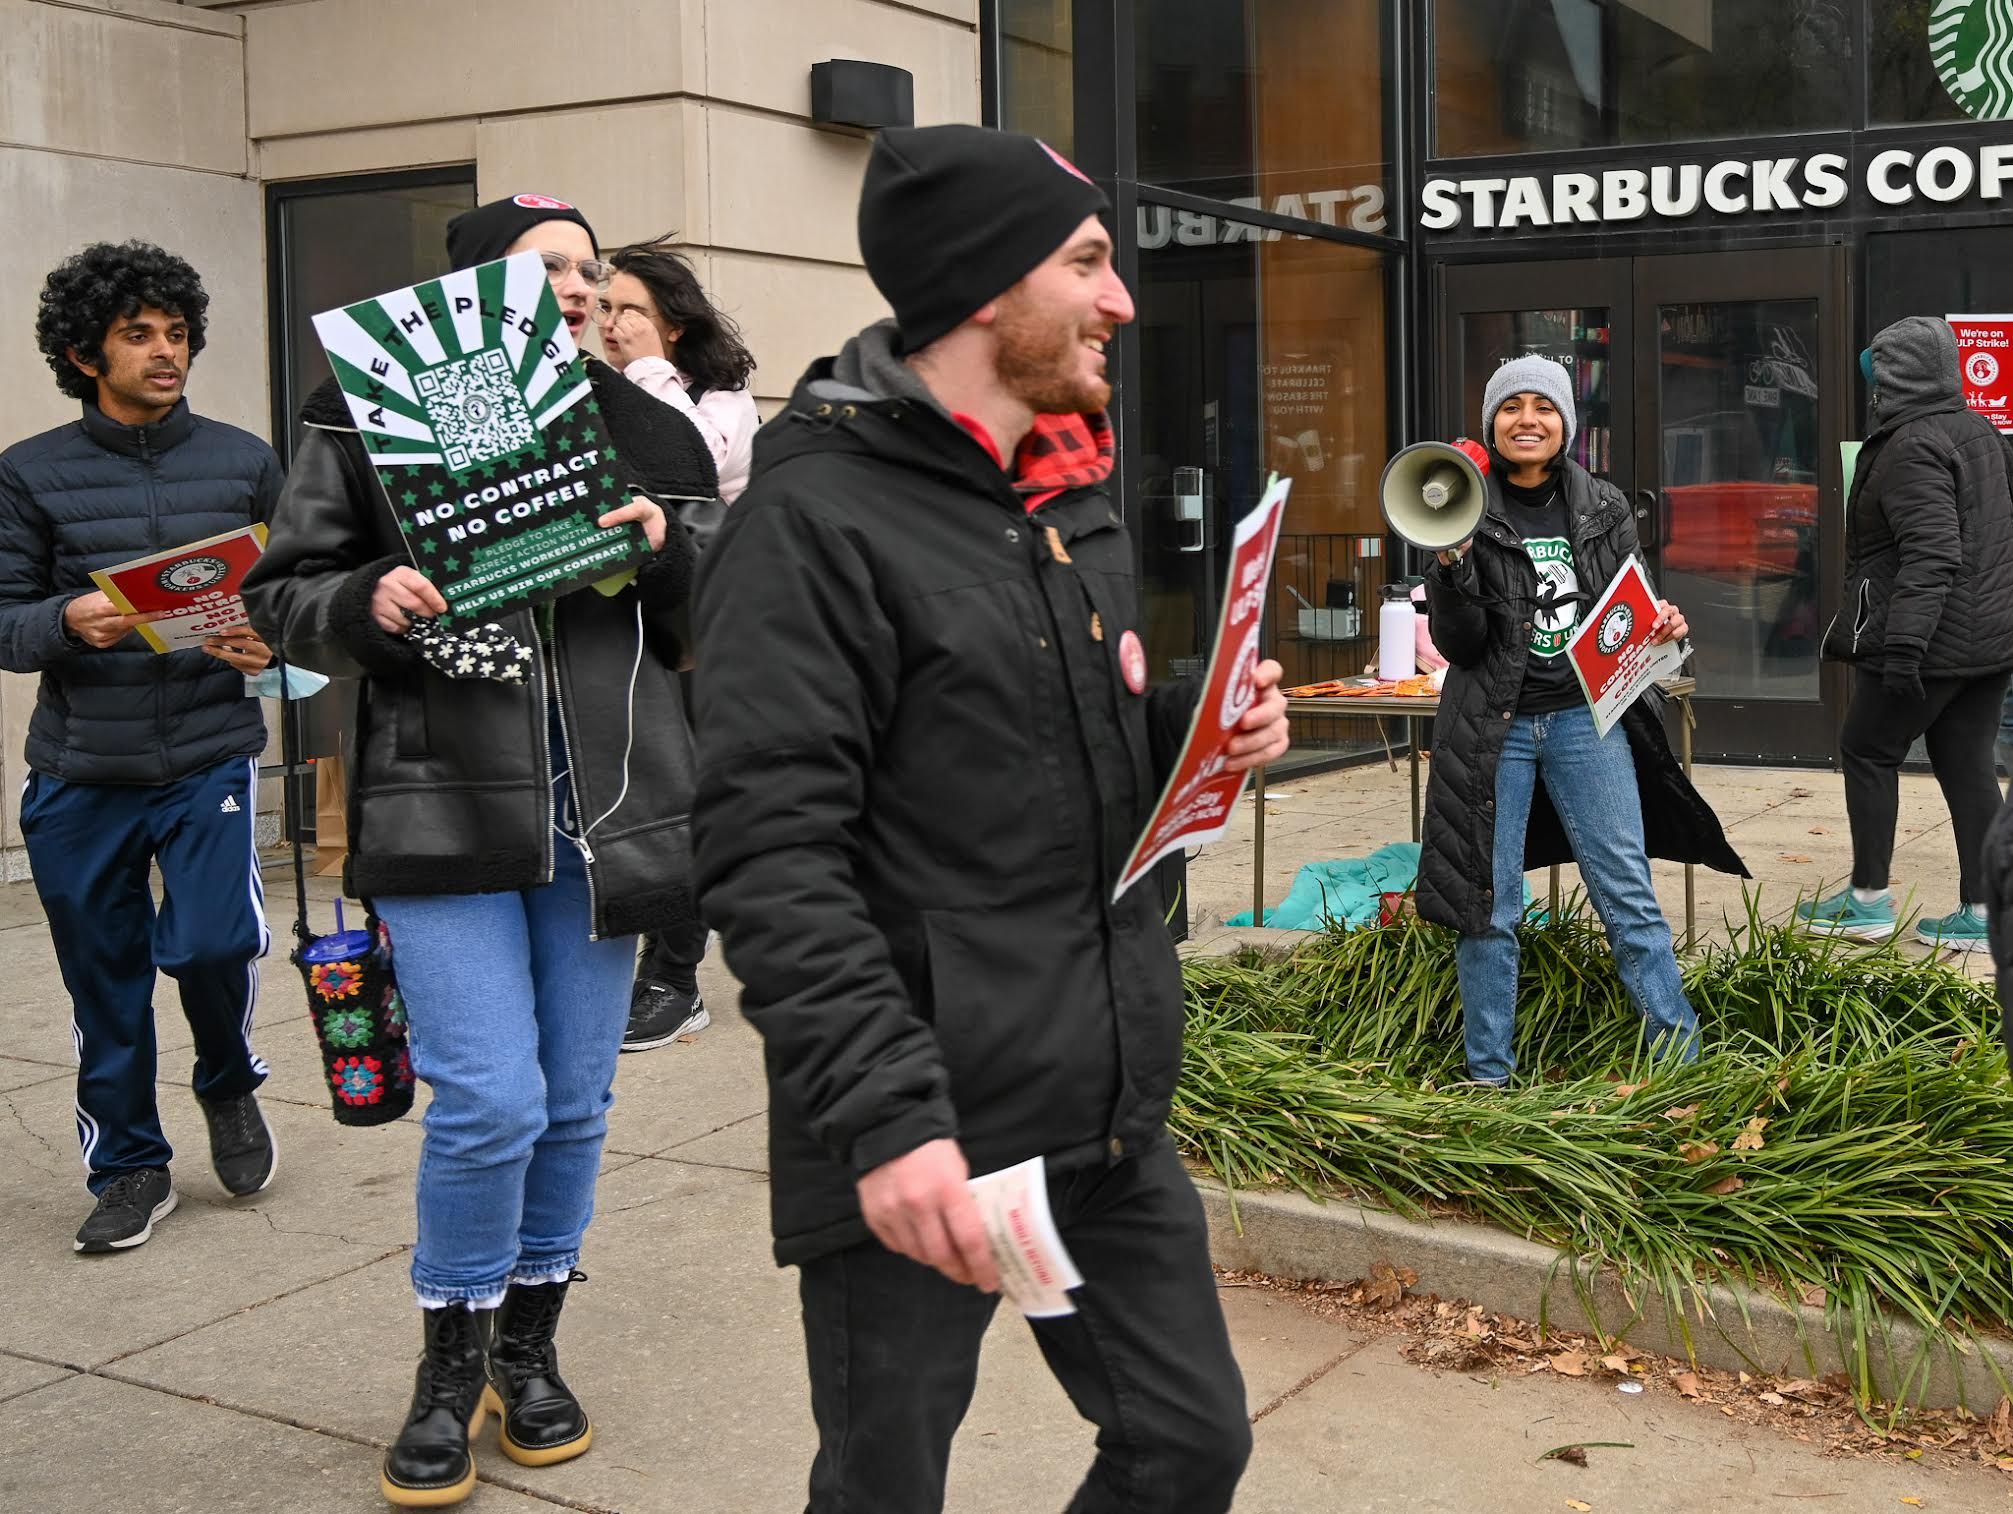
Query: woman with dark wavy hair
663	333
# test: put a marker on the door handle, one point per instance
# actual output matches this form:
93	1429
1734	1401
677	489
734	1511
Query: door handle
1649	507
1191	510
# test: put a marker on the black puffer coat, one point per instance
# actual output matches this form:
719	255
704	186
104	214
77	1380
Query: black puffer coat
1480	617
1929	533
451	779
91	495
921	772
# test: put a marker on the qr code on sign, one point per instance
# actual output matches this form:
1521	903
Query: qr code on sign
475	409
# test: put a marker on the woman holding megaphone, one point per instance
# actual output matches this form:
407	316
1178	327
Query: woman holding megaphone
1521	777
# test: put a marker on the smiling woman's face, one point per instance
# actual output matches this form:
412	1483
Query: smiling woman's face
1530	432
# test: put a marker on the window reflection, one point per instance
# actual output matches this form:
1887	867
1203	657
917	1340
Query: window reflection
1267	103
1537	74
1932	61
1260	355
336	247
1036	57
1739	523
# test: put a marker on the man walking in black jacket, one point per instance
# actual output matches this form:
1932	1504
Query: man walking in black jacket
927	745
1928	620
137	759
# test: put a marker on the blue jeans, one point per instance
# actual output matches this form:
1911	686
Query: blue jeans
1592	783
515	1020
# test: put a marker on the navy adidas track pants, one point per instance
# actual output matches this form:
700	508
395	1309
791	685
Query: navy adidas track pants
91	846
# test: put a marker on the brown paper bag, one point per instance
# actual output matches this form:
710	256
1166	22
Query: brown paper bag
331	815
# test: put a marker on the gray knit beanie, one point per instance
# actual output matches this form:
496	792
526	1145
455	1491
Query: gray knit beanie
1530	374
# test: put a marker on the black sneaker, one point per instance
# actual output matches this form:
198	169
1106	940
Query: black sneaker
127	1210
241	1145
659	1014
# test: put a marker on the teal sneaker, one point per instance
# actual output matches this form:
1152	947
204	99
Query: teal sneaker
1961	932
1843	915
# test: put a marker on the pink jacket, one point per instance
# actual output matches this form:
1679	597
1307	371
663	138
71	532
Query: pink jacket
727	418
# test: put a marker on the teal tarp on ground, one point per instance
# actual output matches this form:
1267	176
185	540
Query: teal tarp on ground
1344	892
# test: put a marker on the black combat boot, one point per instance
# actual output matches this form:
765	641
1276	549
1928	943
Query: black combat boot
430	1465
543	1422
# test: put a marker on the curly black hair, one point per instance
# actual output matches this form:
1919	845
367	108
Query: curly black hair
87	292
709	346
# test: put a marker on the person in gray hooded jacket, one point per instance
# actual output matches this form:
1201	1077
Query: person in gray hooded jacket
1927	619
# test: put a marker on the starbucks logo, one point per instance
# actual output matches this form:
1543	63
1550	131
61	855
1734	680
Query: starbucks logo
194	574
1971	43
1982	368
1613	631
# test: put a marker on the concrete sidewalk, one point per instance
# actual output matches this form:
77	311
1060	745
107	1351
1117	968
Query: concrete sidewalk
256	1356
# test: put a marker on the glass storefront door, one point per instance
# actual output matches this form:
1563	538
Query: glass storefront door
1714	391
1262	352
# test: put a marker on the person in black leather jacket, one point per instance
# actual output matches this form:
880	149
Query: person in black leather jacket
512	836
1927	622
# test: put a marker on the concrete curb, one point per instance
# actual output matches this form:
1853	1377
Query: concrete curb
1287	1235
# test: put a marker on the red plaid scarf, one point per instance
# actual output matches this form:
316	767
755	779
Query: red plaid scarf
1061	452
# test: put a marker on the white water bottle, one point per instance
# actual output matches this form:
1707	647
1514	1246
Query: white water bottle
1396	629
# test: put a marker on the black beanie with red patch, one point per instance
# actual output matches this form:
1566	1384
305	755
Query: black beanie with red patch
484	234
952	217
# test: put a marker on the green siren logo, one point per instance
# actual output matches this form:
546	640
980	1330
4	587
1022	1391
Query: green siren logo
1971	42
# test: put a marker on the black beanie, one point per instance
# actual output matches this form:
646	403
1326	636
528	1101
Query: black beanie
484	234
954	216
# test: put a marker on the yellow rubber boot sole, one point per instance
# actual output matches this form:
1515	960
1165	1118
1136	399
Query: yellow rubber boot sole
532	1456
453	1493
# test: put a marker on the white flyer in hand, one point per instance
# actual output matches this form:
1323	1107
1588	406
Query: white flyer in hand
1035	1271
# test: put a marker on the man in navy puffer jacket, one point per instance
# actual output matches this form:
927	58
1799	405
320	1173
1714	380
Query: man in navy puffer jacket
135	758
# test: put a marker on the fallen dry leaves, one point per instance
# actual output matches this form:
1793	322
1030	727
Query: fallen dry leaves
1725	1186
1794	857
1695	1152
1750	1138
1385	1287
1450	1335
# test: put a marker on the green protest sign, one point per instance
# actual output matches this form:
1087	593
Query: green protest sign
475	408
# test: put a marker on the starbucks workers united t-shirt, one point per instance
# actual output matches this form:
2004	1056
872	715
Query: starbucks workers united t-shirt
1540	518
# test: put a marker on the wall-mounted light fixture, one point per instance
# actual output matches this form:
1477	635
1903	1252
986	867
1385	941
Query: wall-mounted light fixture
847	92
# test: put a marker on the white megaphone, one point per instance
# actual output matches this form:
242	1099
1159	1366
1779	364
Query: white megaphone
1434	493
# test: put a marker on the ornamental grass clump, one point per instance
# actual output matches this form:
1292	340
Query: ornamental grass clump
1849	1126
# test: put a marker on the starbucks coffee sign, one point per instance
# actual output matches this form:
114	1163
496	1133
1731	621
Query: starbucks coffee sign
1971	43
1945	177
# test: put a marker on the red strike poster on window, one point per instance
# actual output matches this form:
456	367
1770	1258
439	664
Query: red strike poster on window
1200	796
1985	358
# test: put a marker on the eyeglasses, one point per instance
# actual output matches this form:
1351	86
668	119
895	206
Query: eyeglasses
558	266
